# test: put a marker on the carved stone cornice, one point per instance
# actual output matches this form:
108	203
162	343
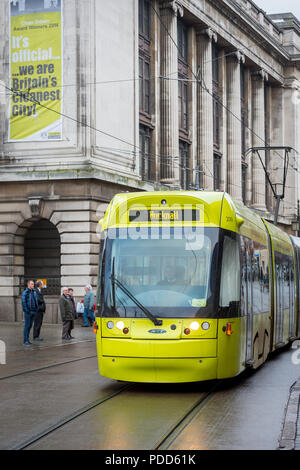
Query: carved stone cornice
173	5
260	74
237	56
210	32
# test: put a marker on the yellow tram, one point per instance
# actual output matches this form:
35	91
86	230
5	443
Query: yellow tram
192	286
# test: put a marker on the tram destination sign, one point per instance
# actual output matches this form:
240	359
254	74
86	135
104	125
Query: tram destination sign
164	215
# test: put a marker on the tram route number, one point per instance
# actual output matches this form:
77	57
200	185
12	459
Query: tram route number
151	459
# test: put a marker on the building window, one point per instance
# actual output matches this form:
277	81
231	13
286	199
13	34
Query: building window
267	143
183	89
145	152
244	124
144	82
244	180
144	61
144	18
145	107
42	253
182	41
184	165
216	117
217	171
244	114
182	104
216	91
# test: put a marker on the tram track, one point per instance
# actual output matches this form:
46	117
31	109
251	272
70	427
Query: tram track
38	369
164	441
185	420
32	440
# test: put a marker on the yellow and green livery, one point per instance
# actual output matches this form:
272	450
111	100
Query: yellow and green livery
192	286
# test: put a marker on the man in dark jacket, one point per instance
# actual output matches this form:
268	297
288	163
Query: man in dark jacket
70	292
38	319
67	314
30	309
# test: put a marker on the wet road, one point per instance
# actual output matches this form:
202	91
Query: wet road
245	413
245	416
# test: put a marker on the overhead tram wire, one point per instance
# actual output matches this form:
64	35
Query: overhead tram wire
153	156
173	165
130	80
84	124
204	86
201	82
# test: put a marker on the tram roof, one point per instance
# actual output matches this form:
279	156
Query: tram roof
220	210
281	241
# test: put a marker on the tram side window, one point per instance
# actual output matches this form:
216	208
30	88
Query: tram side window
244	276
286	285
260	278
230	274
284	280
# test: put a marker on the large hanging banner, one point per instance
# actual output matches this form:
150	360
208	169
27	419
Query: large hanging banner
36	67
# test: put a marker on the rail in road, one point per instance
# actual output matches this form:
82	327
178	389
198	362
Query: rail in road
60	432
68	405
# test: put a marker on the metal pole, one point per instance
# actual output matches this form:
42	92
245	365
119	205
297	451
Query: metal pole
277	209
197	178
298	217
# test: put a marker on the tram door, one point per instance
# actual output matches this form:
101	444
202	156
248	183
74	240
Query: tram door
247	293
292	332
279	298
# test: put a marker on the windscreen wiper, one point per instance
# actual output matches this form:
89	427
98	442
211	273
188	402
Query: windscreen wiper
148	314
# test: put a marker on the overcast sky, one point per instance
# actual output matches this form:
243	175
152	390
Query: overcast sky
280	6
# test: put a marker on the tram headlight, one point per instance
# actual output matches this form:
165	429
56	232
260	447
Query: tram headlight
194	326
120	325
110	325
205	325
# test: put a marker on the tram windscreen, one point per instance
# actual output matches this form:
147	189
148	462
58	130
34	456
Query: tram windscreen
171	274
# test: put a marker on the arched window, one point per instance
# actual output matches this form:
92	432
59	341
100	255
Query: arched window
42	255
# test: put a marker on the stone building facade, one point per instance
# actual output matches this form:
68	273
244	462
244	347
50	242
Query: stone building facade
156	94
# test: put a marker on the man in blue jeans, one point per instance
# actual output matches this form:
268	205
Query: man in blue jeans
30	308
88	302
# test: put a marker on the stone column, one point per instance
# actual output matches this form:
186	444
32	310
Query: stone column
258	139
234	134
205	153
277	131
291	106
169	92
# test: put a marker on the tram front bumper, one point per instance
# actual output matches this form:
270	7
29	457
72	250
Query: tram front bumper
159	360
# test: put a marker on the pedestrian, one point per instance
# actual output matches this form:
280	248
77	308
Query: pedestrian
30	308
38	319
67	314
70	292
88	302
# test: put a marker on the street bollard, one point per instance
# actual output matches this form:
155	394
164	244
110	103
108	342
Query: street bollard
2	352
